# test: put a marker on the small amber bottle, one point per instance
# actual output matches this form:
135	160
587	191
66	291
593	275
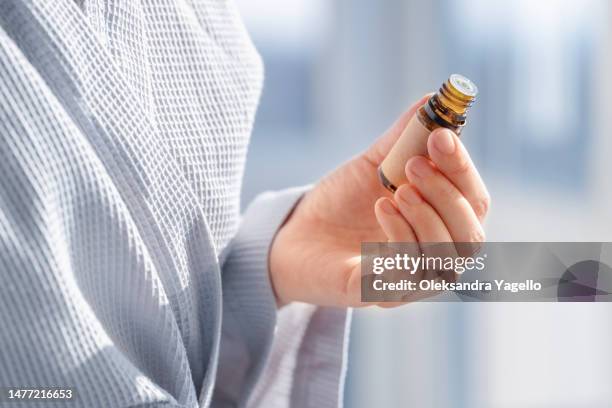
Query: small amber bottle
446	108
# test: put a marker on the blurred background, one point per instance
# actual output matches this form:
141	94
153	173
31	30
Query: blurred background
338	73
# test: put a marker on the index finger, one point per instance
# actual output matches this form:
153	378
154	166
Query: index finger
451	157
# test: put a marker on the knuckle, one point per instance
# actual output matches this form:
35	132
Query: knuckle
481	205
460	168
449	192
415	215
477	236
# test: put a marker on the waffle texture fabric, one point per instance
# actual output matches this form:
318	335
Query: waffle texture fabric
128	273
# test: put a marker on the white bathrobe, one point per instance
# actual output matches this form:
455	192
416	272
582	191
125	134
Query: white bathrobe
127	272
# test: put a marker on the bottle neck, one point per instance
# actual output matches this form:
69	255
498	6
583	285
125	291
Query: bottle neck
447	108
430	117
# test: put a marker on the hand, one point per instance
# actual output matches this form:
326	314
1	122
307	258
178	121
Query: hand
315	257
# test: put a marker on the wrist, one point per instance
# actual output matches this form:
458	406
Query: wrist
277	263
275	267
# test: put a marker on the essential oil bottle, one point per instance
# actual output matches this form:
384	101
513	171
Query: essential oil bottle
446	108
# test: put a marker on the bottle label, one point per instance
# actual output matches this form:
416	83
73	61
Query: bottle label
412	142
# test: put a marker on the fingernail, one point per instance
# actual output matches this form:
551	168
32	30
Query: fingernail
408	195
387	207
444	142
420	168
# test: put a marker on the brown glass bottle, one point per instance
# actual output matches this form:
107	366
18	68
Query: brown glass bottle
446	108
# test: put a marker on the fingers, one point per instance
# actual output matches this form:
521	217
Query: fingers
430	230
426	223
393	224
446	199
450	156
377	152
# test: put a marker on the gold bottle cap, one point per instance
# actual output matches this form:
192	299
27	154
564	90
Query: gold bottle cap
456	96
463	85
